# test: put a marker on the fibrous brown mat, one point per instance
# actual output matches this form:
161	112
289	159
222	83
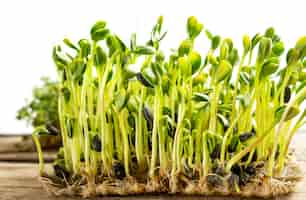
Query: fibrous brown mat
259	186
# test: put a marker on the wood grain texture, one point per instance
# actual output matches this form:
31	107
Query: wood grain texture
19	181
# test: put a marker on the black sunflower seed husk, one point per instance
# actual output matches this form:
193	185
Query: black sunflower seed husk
60	171
171	130
96	144
246	157
118	170
150	143
134	159
246	136
233	180
225	127
251	170
216	152
219	170
277	152
287	94
233	145
244	178
188	172
236	169
214	180
53	130
143	80
82	157
148	117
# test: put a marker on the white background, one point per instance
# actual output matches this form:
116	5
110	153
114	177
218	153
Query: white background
30	28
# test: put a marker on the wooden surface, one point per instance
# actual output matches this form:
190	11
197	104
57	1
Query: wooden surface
18	180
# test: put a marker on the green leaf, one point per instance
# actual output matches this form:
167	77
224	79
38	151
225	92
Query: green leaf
59	61
66	93
233	56
212	59
198	97
41	131
98	31
100	57
133	42
301	43
264	50
269	67
224	50
79	67
143	50
160	57
114	44
122	99
255	40
208	34
223	70
195	61
229	43
293	111
301	47
245	78
215	42
278	48
200	78
185	47
184	66
246	43
194	28
85	47
270	32
292	56
70	44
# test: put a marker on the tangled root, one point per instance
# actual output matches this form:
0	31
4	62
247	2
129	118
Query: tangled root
259	186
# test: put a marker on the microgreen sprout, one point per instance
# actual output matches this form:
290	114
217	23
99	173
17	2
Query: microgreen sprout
211	118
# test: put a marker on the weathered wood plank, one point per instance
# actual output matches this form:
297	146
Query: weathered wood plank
26	157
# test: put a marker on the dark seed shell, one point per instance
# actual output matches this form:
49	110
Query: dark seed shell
171	130
236	169
188	172
150	143
244	178
60	171
233	180
96	144
250	170
70	123
119	171
149	118
216	152
233	145
143	80
225	127
246	136
82	157
287	94
277	152
52	129
246	157
214	180
220	170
